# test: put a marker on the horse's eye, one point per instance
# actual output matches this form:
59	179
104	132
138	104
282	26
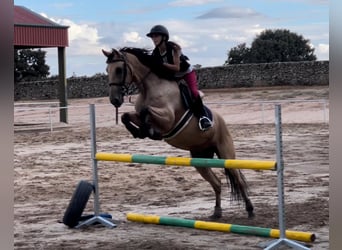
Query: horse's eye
118	71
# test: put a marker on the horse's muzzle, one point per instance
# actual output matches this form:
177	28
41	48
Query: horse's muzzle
116	102
116	95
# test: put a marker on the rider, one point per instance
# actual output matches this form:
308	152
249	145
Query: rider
169	54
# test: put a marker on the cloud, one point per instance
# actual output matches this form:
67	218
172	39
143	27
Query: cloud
181	41
108	40
323	48
230	12
324	2
322	51
205	40
182	3
319	2
115	35
83	38
131	37
62	5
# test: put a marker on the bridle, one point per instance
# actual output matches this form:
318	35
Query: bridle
125	66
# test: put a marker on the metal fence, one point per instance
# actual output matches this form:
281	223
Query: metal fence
46	114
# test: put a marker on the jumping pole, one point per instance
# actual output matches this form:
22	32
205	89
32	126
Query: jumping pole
220	227
186	161
280	184
96	217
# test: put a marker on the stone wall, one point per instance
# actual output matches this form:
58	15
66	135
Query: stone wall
77	87
231	76
265	74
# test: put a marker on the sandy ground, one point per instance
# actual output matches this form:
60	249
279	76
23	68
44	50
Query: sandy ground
48	165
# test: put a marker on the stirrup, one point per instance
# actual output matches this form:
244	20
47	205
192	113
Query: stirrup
206	123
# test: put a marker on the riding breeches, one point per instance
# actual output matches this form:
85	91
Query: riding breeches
191	80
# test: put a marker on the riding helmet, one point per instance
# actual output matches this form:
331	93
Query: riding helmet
160	30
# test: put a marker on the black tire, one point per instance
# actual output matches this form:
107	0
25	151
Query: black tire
77	203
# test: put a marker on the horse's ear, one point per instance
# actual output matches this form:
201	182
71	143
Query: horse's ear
116	53
106	53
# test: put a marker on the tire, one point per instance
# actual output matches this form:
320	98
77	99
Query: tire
77	203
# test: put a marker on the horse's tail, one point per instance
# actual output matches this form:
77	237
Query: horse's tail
238	184
235	178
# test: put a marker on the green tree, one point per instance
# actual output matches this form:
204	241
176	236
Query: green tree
278	45
238	55
30	65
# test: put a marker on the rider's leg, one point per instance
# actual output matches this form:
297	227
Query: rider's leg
198	107
191	80
204	122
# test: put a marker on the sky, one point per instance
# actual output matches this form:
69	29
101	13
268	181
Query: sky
205	29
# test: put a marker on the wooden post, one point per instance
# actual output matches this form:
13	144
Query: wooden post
62	88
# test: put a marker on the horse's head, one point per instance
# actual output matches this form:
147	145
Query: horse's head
119	74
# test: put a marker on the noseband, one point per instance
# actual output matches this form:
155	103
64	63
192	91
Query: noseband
125	66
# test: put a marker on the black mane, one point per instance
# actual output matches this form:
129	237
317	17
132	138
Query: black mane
146	57
143	55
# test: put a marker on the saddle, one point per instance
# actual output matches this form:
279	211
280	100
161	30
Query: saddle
188	104
187	98
186	95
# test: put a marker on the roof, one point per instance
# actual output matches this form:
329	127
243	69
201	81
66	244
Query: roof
32	30
24	16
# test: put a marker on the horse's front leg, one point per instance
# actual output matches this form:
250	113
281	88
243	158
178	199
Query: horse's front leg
137	124
132	123
146	128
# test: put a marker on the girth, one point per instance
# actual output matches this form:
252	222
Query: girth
181	124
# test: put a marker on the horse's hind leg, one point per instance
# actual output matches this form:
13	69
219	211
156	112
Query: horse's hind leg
238	184
215	182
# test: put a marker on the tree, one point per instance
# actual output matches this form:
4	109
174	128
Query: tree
30	65
238	55
278	45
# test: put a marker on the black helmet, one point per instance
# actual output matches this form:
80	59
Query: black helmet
160	30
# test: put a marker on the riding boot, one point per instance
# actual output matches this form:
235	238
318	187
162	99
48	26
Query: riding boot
204	122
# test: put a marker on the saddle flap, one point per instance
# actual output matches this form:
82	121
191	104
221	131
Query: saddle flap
185	94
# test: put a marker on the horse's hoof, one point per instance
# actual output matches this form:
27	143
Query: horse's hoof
154	135
217	213
124	118
142	135
144	114
251	215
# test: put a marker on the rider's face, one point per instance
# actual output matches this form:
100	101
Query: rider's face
156	38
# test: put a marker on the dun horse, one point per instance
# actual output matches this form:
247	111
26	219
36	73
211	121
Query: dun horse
160	114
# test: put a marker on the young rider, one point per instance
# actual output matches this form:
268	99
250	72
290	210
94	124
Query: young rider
169	54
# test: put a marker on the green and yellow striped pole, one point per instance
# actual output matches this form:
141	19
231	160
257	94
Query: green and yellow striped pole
221	227
185	161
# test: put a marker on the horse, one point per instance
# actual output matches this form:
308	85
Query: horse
160	114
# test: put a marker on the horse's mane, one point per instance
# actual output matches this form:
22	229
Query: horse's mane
145	57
